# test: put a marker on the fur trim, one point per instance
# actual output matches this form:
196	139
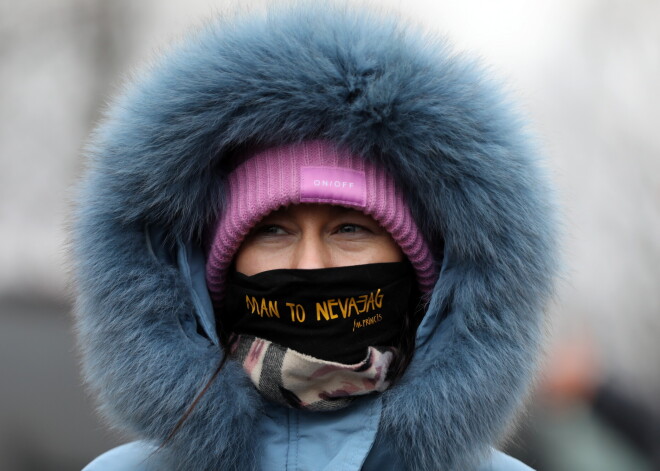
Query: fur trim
407	102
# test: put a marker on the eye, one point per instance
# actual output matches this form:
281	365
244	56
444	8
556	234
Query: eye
350	229
269	230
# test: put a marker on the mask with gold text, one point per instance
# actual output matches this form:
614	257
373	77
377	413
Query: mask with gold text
316	339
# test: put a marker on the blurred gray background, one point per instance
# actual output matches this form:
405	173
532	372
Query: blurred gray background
586	73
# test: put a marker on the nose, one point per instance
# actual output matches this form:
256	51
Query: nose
311	252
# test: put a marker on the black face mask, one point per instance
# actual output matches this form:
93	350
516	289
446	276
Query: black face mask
332	314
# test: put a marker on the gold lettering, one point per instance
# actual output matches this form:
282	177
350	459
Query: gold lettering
344	308
369	321
370	302
321	308
251	304
300	313
352	306
293	313
363	300
332	302
379	299
273	310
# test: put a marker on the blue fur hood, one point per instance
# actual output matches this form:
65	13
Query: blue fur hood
154	184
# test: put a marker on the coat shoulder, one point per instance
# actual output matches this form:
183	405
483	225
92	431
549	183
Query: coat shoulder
502	462
134	456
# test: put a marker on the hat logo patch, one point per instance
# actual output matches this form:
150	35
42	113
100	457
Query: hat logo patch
333	185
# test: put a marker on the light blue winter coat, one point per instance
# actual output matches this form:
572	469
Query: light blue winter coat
139	456
154	185
291	440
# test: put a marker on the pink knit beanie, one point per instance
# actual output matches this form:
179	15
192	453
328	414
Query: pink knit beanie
312	172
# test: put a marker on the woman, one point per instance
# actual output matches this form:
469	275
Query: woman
311	241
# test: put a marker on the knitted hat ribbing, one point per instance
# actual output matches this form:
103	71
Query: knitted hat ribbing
312	172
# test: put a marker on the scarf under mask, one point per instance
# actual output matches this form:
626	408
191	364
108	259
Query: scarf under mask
316	339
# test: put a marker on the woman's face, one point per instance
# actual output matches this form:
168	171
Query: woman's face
315	236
